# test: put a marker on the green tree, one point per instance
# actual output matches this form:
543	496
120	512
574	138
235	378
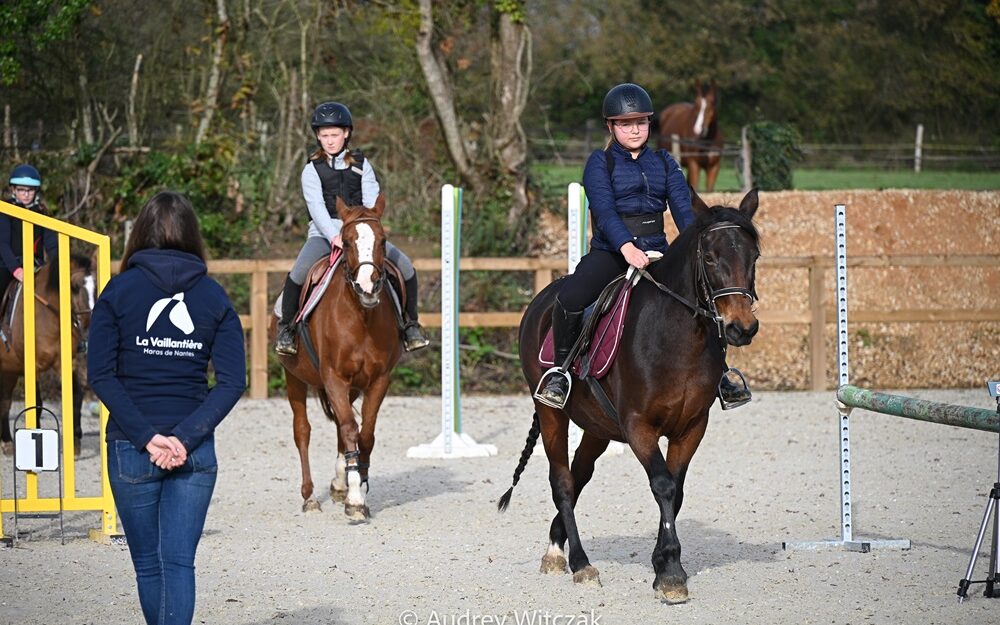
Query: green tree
31	26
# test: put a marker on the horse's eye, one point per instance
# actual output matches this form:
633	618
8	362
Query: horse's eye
710	260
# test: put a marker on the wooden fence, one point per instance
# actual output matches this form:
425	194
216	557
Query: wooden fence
820	312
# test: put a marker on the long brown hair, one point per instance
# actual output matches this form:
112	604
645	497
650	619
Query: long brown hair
166	222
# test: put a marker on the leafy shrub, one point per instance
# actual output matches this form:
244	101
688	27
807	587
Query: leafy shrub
774	148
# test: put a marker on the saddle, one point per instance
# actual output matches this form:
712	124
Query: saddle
318	280
7	305
604	322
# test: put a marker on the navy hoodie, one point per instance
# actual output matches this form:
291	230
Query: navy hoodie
153	332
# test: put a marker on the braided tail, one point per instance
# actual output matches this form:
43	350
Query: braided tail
529	446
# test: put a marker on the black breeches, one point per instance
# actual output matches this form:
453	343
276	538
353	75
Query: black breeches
595	271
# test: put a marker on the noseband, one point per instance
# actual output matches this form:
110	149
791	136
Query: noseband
705	293
352	278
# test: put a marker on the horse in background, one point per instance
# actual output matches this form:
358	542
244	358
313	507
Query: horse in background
354	334
83	286
697	128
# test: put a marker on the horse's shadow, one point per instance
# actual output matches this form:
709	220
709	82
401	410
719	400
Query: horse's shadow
313	616
399	489
705	547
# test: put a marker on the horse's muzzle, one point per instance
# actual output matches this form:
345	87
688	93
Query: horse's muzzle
738	334
369	300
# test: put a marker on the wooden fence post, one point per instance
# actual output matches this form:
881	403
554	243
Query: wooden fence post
747	157
918	149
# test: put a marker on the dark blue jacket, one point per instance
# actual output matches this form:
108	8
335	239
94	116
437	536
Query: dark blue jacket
10	240
638	186
153	332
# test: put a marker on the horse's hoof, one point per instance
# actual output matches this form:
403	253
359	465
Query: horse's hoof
339	496
553	565
587	576
357	512
77	445
672	593
311	505
7	447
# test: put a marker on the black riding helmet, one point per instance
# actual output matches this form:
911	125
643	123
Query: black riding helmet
627	101
332	114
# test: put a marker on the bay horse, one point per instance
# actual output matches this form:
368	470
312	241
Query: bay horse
663	381
47	349
697	128
355	333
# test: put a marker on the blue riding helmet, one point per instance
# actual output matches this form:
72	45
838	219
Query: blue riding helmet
26	176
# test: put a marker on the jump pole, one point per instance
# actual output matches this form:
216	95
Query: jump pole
451	442
847	542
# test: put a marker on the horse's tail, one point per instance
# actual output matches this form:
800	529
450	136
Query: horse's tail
529	446
324	401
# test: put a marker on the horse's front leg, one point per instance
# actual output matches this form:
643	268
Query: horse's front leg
338	485
694	172
339	393
77	419
373	397
671	579
555	437
301	431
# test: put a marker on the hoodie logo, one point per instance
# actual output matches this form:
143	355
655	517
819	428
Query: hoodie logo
178	316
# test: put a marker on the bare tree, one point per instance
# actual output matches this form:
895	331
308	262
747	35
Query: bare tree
211	99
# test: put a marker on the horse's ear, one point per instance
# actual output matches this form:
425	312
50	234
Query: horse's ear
749	204
341	206
697	88
697	204
379	207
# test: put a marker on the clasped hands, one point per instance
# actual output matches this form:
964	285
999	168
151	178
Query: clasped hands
166	452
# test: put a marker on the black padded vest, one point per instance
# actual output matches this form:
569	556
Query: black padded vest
343	183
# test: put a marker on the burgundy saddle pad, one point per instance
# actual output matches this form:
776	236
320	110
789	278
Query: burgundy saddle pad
603	345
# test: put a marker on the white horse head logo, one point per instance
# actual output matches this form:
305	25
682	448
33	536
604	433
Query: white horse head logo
179	315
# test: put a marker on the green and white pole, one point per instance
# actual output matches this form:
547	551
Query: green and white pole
576	226
451	442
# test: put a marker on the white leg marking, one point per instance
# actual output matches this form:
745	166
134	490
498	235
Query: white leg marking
554	551
354	495
340	477
698	123
366	254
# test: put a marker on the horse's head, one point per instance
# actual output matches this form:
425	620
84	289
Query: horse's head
364	249
705	102
728	248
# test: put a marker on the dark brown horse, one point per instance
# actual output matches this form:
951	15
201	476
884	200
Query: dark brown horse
697	128
662	383
356	338
47	348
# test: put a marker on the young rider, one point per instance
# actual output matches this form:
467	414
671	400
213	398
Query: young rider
628	186
333	171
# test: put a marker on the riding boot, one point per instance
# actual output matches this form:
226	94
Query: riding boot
413	336
285	342
733	394
565	330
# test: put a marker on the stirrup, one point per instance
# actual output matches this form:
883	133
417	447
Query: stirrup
545	378
729	405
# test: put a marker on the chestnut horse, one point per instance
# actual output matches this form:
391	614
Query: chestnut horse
82	293
355	335
697	128
662	383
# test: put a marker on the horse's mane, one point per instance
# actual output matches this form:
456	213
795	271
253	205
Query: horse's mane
81	261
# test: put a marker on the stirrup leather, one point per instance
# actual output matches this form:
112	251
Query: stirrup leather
542	383
729	405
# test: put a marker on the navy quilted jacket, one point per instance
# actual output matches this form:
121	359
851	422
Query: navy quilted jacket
640	186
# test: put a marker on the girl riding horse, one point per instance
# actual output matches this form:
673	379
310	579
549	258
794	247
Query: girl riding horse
629	186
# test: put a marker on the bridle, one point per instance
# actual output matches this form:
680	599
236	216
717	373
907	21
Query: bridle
379	271
704	305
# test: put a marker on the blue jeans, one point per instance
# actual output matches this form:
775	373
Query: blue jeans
163	514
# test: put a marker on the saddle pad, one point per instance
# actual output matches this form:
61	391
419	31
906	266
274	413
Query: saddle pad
603	346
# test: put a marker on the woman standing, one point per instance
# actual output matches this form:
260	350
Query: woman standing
629	187
335	171
155	328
